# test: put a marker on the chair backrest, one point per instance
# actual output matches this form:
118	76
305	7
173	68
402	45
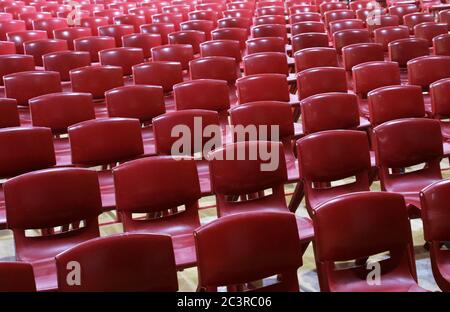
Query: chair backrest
96	79
304	17
262	87
94	22
71	33
424	70
64	61
214	67
66	197
14	63
182	53
372	75
402	10
143	102
123	57
105	141
321	80
358	53
269	30
413	19
49	25
234	22
37	48
7	26
142	41
17	144
204	26
346	24
265	117
161	73
307	27
259	234
385	35
440	103
266	63
429	30
309	40
177	133
16	277
23	86
19	37
343	38
116	31
383	21
237	34
228	48
385	211
441	44
58	111
337	15
93	45
191	37
9	113
270	19
208	94
158	186
329	111
130	19
406	49
162	29
150	264
395	102
315	57
7	47
407	142
265	44
444	16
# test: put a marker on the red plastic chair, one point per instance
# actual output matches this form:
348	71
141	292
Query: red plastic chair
330	156
215	67
338	15
37	48
303	8
237	34
177	9
266	44
105	142
7	47
269	30
332	6
109	14
434	213
204	15
346	24
444	17
239	5
266	63
370	16
174	19
129	19
309	40
424	70
238	13
386	211
403	143
138	182
235	22
270	19
162	29
383	21
355	54
72	33
440	104
163	127
227	48
414	19
16	277
123	7
55	8
165	74
347	37
122	57
304	17
116	31
329	111
191	37
404	50
96	79
200	25
372	75
264	87
68	198
430	30
64	61
49	25
315	57
10	26
9	113
402	10
321	80
441	45
19	37
385	35
26	85
150	257
145	12
15	63
143	102
270	10
395	102
307	27
93	45
93	23
182	53
230	265
142	41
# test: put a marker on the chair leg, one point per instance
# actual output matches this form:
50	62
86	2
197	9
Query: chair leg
297	197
